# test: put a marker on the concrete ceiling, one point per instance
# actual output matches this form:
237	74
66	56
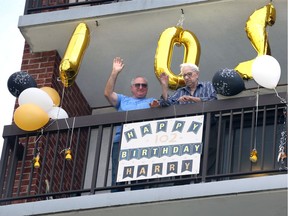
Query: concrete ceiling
131	30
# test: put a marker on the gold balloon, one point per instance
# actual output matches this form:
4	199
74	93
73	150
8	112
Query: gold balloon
73	56
30	117
257	34
162	62
53	94
253	156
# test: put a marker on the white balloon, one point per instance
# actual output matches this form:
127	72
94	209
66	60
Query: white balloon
36	96
57	113
266	71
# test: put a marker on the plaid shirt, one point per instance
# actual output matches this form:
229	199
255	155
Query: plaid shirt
205	91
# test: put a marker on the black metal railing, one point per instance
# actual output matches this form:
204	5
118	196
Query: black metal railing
39	6
231	131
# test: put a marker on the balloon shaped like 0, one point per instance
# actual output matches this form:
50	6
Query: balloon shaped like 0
74	53
53	95
228	82
19	81
162	63
266	71
30	117
57	113
36	96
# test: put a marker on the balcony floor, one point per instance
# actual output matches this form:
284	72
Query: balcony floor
265	195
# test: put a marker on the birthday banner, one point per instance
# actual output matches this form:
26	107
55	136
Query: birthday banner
161	148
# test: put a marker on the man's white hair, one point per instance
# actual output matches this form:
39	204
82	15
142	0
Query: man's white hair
190	65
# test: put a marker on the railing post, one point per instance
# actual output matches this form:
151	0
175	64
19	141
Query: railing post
96	160
3	164
206	146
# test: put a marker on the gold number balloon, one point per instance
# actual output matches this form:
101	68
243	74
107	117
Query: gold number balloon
170	37
74	53
257	34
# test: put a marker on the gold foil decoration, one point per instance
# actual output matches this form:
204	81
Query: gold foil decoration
162	62
68	155
258	36
36	161
253	156
73	56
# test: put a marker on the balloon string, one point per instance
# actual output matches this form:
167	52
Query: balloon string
282	100
42	131
256	118
72	132
62	97
175	112
181	20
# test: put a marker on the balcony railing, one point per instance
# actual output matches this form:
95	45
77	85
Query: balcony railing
231	131
39	6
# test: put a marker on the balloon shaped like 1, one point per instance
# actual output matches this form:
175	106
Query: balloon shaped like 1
30	117
36	96
258	36
74	53
162	63
266	71
19	81
228	82
53	95
57	113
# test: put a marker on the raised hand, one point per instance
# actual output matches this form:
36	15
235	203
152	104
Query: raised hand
118	65
164	79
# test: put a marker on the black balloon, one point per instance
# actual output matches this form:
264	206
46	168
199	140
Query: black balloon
228	82
19	81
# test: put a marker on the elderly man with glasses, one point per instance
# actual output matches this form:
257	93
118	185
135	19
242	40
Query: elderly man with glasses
194	90
138	100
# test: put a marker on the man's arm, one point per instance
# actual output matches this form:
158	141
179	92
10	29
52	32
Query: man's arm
164	79
109	93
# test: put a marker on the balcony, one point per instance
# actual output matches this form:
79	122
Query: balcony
228	182
230	132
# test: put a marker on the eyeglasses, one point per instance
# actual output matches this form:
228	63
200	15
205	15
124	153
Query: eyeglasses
143	85
189	74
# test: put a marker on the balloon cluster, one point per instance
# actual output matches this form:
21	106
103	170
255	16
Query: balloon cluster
258	36
36	105
266	72
264	69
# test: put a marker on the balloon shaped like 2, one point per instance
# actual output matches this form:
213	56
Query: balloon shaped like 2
258	36
228	82
266	71
74	53
162	63
19	81
30	117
